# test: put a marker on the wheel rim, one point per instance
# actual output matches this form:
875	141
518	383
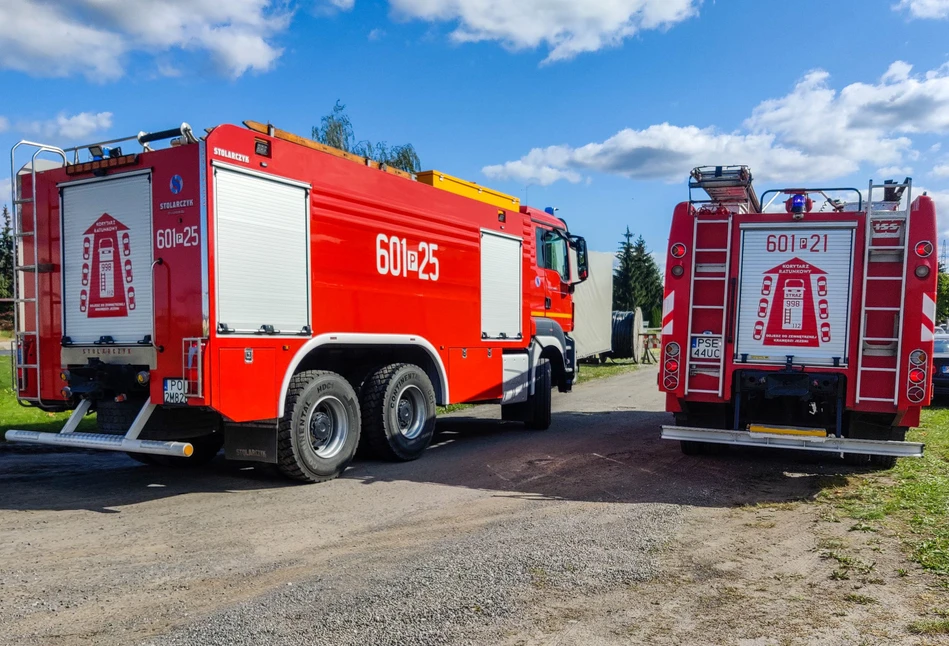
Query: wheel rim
410	412
327	427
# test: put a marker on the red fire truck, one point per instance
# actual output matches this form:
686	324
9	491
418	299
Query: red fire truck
808	326
287	300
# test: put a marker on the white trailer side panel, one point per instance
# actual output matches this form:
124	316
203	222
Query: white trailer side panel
593	306
795	287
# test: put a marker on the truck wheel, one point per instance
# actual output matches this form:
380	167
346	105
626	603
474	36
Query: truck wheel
882	461
319	431
857	459
538	404
398	411
690	447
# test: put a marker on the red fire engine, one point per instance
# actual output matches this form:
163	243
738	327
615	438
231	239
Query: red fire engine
807	327
261	291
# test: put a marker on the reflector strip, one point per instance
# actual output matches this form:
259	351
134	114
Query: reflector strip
667	304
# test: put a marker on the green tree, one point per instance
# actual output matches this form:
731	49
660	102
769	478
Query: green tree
942	295
336	130
6	260
636	280
623	299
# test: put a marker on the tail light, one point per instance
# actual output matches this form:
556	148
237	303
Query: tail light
916	377
670	366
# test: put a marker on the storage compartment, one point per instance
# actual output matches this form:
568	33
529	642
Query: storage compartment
501	290
261	250
107	258
795	294
475	374
468	189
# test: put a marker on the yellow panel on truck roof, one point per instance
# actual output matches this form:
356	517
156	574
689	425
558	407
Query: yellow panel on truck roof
468	189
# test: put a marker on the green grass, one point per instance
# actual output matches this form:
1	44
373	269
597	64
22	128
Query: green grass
591	371
12	415
914	493
930	627
6	335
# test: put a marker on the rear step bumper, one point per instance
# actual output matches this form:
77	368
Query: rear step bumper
128	442
101	442
829	444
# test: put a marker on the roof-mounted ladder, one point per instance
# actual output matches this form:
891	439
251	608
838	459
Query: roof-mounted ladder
725	185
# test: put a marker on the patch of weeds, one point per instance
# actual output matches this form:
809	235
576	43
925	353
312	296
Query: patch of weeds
849	562
876	581
863	527
839	575
830	543
761	524
862	599
902	572
930	627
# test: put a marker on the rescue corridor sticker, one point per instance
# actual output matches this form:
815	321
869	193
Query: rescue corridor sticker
795	293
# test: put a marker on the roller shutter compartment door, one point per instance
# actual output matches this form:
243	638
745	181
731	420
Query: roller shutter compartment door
261	251
501	287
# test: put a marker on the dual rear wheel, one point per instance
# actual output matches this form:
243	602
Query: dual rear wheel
326	421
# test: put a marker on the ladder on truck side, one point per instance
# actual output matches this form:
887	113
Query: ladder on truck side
26	329
730	188
897	256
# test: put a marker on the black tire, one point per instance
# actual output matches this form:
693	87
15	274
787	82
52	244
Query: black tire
883	461
398	412
319	431
538	404
693	448
857	459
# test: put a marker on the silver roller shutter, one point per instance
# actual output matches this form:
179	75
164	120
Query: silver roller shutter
261	251
500	286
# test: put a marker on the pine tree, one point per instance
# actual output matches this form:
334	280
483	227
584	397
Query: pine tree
623	276
647	282
636	280
6	261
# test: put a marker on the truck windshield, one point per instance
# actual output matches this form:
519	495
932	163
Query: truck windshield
552	253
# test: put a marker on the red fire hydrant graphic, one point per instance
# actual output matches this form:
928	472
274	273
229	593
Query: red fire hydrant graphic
793	318
105	279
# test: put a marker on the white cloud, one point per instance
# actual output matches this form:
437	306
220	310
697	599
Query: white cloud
941	170
814	132
92	37
376	34
77	126
4	124
925	8
565	27
894	172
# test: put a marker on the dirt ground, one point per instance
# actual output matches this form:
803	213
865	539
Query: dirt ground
594	532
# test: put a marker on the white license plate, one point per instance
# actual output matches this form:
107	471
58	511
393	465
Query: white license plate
175	391
706	347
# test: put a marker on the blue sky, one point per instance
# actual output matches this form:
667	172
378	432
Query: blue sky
599	108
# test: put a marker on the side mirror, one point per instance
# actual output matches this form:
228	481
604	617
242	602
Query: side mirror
579	245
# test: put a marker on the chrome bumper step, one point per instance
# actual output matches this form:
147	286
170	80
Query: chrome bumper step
830	444
101	441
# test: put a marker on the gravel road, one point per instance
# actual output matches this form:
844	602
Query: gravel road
592	532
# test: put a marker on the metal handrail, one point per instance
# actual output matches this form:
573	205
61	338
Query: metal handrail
821	191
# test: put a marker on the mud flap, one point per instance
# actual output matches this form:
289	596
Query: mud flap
251	442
